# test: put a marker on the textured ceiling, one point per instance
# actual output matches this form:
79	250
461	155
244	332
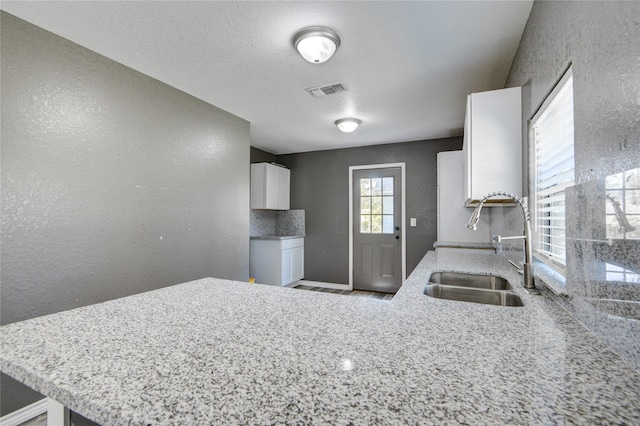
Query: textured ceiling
408	66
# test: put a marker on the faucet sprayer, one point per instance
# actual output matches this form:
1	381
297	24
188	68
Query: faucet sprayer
475	217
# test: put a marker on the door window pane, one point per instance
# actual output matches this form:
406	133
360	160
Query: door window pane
387	203
377	205
365	205
365	187
387	224
387	186
376	186
365	224
376	224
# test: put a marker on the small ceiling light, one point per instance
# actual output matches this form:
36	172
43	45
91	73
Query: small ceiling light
316	44
348	125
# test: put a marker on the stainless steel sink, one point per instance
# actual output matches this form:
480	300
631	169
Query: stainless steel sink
489	282
475	295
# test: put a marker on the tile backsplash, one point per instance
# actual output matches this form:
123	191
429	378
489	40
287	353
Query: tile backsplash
277	222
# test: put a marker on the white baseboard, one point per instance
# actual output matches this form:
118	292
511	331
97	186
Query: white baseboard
324	285
24	414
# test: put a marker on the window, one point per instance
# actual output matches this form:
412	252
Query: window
551	131
376	205
615	273
622	205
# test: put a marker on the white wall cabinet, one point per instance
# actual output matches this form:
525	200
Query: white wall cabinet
270	185
452	213
492	144
277	262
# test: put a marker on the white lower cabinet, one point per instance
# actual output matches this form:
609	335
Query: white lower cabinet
277	262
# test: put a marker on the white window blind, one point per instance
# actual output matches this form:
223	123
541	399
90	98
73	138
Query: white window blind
552	133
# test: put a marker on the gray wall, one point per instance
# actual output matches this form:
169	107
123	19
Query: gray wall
112	182
320	186
602	41
260	156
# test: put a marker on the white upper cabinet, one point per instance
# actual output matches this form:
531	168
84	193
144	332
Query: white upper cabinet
492	145
269	187
452	214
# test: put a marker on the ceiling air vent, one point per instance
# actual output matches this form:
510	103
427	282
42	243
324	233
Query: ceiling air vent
316	92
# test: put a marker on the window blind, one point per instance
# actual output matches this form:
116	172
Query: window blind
552	132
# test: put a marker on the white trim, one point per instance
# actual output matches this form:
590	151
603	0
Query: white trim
403	227
321	284
548	258
57	414
25	414
568	73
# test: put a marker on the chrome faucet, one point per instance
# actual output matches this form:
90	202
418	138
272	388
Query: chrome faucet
528	256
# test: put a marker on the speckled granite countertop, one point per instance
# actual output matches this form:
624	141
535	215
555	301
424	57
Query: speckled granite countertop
222	352
276	237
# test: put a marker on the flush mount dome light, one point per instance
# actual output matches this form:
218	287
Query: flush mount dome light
316	44
348	125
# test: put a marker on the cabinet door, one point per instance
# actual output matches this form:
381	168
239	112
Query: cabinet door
287	266
265	261
258	177
297	263
292	260
466	153
283	188
493	143
272	187
452	214
269	187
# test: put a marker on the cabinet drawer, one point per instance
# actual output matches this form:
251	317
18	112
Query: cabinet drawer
292	243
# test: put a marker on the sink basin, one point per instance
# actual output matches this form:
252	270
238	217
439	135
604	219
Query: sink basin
489	282
475	295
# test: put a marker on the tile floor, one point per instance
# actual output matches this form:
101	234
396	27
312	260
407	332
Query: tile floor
357	293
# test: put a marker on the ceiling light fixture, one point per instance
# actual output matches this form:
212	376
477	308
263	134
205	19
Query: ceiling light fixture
316	44
348	125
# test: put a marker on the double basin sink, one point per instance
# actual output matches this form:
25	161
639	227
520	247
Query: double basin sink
487	289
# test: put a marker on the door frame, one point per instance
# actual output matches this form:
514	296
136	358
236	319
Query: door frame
403	232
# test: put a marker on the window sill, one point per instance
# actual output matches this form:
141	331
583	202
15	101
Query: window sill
551	279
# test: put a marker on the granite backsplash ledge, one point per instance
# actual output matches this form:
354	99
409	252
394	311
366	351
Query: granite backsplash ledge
600	286
277	222
603	260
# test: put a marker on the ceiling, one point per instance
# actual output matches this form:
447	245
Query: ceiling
408	66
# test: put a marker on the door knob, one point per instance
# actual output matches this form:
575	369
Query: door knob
397	228
397	237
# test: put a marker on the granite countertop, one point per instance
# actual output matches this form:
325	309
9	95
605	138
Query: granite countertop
222	352
275	237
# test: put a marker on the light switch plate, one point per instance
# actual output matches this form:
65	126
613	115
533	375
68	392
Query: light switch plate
413	221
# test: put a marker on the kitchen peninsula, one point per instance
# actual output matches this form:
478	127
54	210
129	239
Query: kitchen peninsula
223	352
